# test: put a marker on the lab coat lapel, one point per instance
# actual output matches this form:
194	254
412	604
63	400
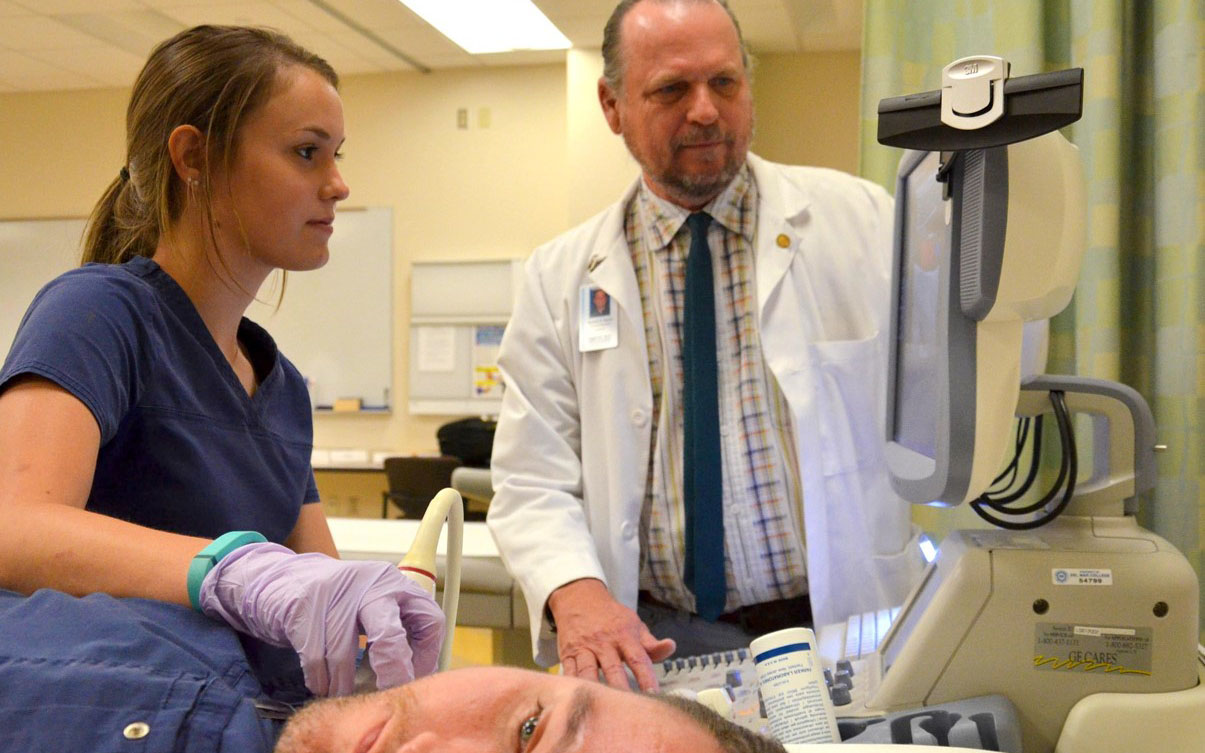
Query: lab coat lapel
782	208
610	267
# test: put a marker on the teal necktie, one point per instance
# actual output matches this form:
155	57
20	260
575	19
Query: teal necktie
703	475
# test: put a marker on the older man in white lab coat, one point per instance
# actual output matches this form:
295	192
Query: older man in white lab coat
588	504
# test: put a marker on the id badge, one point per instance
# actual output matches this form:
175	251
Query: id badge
598	326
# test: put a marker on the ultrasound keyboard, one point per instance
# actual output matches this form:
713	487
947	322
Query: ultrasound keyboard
864	632
731	670
848	653
852	670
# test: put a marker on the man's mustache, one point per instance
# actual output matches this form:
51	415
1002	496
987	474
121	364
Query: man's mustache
702	136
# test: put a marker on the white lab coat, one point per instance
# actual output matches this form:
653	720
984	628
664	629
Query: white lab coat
572	447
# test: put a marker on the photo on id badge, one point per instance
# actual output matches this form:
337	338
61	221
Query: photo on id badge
599	327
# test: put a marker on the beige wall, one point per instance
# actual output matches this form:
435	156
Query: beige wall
807	109
65	149
600	168
545	161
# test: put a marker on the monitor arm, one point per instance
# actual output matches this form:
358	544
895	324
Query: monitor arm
1122	441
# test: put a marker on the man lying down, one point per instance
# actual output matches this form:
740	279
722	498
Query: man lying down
103	674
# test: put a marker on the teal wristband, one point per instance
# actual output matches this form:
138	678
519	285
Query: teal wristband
211	555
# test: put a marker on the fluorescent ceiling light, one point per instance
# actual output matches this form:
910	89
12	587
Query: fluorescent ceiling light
481	26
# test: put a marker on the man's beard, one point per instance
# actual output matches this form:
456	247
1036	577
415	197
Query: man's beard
694	189
702	187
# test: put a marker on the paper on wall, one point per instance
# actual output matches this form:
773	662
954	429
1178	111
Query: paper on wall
436	348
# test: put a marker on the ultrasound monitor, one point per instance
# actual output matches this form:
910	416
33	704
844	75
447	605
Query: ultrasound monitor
926	250
985	241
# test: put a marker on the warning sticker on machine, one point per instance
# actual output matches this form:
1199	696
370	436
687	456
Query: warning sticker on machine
1063	576
1092	648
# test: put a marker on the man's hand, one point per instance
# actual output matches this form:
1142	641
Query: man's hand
594	632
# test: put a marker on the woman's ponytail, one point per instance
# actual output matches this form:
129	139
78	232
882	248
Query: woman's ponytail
120	227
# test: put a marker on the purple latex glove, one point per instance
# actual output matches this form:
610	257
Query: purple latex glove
319	606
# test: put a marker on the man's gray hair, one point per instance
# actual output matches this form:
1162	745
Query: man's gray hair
613	64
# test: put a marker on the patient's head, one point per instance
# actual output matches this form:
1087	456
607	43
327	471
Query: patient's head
503	710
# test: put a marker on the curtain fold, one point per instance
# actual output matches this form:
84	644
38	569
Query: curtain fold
1138	315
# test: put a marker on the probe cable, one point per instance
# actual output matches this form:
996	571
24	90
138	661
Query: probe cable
999	484
1068	469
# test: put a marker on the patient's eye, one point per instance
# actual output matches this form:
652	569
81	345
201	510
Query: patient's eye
527	730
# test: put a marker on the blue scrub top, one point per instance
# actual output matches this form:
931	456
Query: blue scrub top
183	447
100	674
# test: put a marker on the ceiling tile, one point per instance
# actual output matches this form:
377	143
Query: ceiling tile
345	59
583	31
9	8
104	63
555	8
374	52
419	41
311	15
160	4
582	22
40	33
462	60
376	14
524	57
136	31
59	7
136	26
235	14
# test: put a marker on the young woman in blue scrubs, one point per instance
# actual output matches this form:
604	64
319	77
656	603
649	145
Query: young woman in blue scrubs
153	441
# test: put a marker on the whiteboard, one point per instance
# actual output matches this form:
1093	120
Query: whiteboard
335	324
32	252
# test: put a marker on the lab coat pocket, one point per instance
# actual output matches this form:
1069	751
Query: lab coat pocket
849	381
899	569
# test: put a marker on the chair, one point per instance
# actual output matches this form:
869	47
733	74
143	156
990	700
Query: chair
413	481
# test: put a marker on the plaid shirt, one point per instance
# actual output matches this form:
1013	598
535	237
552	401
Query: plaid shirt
763	518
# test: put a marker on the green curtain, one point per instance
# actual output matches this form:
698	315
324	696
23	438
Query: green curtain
1138	315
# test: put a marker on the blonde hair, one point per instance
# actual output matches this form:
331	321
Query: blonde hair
209	77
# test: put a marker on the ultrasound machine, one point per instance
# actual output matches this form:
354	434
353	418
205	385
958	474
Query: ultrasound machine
1086	622
1082	623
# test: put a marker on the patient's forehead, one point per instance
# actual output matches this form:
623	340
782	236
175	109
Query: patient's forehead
482	708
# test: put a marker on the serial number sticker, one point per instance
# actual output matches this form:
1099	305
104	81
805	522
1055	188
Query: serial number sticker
1063	576
1099	631
1098	649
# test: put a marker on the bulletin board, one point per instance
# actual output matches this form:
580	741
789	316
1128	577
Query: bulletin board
458	312
335	324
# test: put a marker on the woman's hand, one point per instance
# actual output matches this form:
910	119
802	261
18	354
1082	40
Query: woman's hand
320	605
